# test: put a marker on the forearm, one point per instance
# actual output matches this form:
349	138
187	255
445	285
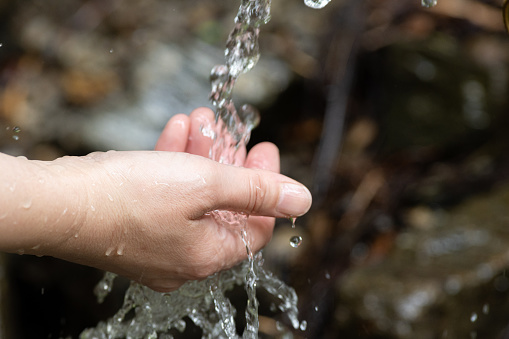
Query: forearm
41	204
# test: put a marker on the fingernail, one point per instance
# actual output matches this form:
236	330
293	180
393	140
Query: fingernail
294	200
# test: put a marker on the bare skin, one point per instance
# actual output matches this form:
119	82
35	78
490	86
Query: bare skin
146	215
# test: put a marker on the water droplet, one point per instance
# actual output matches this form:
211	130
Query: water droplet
15	137
473	317
109	251
316	308
20	251
429	3
303	325
111	50
295	241
486	309
92	208
317	4
76	235
42	291
16	129
279	326
292	220
27	204
110	197
36	247
120	250
1	44
327	275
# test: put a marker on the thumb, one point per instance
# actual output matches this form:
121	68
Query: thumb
260	192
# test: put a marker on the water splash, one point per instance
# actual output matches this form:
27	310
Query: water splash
16	131
429	3
316	3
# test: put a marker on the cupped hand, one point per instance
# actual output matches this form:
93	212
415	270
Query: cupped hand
147	217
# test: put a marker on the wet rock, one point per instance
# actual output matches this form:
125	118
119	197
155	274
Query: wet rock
445	280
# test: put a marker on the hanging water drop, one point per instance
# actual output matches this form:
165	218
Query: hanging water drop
317	4
292	220
429	3
473	317
303	325
295	241
15	137
486	309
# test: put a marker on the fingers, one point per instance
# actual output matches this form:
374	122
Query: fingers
175	134
258	192
264	156
203	125
200	119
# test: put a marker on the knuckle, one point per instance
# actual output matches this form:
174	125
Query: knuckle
256	193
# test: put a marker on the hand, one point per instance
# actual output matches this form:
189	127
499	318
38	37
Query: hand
183	134
146	215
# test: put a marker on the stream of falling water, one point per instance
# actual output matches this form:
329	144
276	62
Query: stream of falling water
149	314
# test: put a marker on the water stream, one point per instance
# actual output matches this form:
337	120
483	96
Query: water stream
149	314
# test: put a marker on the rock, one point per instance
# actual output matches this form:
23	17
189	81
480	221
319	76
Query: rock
445	280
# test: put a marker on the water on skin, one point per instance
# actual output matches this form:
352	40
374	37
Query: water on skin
27	204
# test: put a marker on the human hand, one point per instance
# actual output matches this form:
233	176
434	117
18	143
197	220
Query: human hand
146	215
184	134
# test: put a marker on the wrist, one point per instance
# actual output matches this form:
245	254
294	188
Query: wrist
97	186
38	199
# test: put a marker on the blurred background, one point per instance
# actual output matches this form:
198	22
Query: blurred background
395	115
